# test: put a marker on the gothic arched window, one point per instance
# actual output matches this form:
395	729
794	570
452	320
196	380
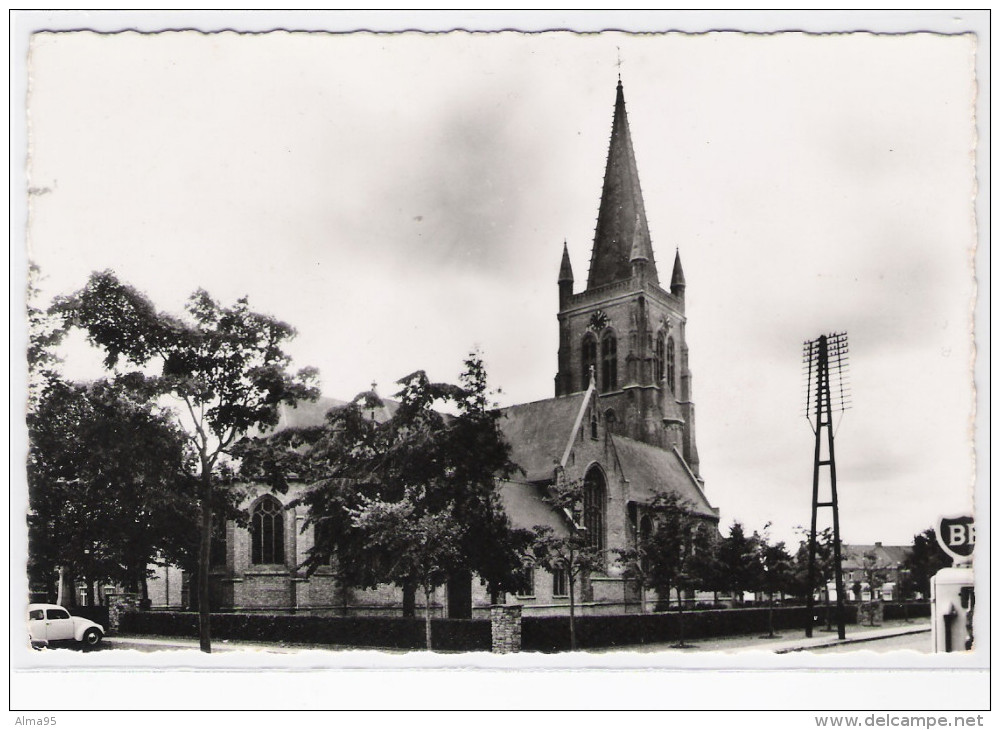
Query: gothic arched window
645	532
589	360
594	499
658	357
671	361
609	363
267	532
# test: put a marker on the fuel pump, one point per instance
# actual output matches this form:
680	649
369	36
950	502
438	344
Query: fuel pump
953	600
953	593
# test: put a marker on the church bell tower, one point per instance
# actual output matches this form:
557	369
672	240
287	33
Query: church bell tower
624	328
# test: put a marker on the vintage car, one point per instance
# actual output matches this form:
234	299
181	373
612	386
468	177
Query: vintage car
49	623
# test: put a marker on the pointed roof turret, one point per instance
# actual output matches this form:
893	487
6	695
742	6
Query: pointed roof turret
622	216
677	284
639	246
565	268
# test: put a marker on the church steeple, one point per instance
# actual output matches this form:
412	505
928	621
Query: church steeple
621	220
624	330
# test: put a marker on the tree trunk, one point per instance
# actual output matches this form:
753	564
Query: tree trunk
90	592
680	617
344	595
71	598
427	615
204	553
572	611
59	587
770	616
409	599
826	603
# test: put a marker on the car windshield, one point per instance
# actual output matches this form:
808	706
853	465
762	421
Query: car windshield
36	615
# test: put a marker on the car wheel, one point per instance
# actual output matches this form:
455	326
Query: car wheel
92	637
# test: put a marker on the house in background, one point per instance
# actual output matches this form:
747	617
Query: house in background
887	560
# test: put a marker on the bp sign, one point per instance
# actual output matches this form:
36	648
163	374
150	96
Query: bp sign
957	537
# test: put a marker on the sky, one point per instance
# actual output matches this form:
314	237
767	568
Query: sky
402	199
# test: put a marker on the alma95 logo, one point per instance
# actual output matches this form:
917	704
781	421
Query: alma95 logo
957	537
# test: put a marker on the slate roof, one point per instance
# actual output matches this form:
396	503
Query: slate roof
886	556
523	504
650	470
538	433
621	219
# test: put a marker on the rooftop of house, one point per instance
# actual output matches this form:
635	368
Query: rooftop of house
886	556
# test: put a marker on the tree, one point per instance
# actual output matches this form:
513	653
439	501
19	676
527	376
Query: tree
225	367
420	544
825	567
706	566
874	574
45	332
570	553
457	461
107	475
738	556
673	555
926	558
775	571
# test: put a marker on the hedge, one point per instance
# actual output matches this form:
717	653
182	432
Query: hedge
380	632
538	633
551	633
98	614
913	609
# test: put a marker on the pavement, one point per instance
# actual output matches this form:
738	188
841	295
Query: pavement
782	643
793	640
168	643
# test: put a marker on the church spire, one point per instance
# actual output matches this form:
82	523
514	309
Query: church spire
677	284
565	268
565	279
621	221
638	244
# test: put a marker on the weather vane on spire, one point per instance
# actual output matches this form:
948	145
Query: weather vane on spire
618	63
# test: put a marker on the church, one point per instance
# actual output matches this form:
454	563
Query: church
622	421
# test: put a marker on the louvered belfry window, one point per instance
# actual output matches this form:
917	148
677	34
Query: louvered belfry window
609	363
267	533
671	365
658	357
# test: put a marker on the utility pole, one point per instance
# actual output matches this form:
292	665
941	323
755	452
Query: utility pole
825	354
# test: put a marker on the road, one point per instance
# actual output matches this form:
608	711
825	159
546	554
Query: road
914	642
788	642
